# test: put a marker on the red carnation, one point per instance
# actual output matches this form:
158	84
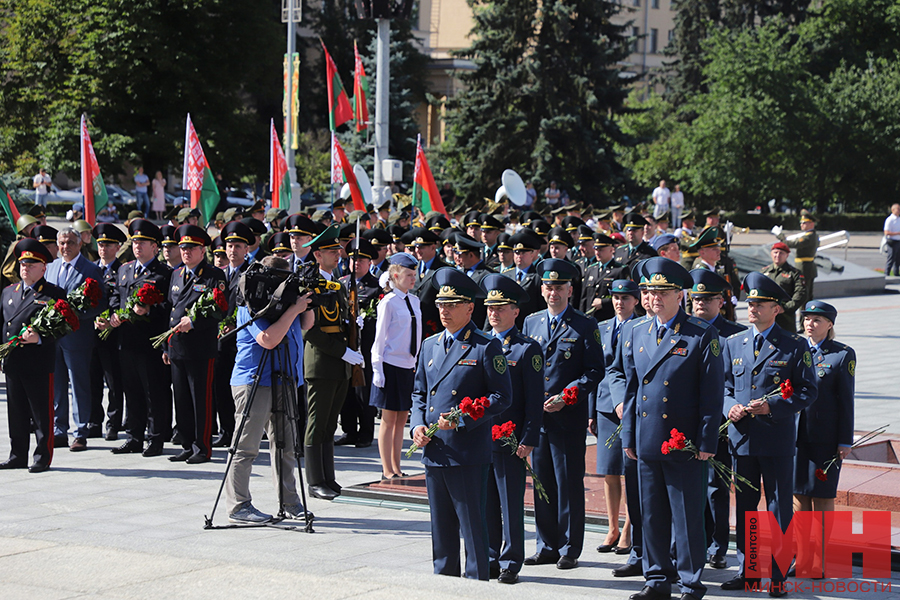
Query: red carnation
821	475
665	447
92	291
220	299
149	296
570	395
496	433
787	390
66	311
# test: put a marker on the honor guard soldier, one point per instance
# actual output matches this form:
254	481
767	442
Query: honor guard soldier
596	299
707	298
424	243
806	245
280	245
460	362
192	349
506	485
587	250
635	248
147	396
791	280
30	364
573	357
526	244
217	253
106	366
763	430
326	363
236	237
674	378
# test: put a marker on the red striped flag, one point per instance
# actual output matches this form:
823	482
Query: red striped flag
9	207
279	182
360	92
425	193
339	111
197	176
93	189
342	165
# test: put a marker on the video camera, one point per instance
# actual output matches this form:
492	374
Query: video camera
271	291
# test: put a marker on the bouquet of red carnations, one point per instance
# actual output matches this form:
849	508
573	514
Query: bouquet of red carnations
147	295
678	441
569	395
54	320
473	408
85	296
212	304
506	434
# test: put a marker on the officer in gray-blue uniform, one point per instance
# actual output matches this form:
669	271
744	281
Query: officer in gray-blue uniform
506	487
457	363
707	299
572	358
763	433
674	380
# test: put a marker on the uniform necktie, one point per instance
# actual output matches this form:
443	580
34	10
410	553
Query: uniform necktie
615	335
448	341
553	323
659	334
519	276
138	271
758	344
67	272
413	331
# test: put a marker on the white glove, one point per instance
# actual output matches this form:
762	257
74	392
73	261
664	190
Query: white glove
776	231
352	357
734	300
378	375
360	322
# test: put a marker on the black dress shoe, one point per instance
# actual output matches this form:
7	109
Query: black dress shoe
13	463
687	596
94	430
507	576
541	558
628	570
345	440
718	562
129	447
363	443
777	590
621	551
604	548
649	593
38	467
739	584
322	492
196	459
112	434
60	441
153	449
181	456
222	441
566	563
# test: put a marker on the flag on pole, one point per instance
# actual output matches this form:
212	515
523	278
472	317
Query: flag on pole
339	111
197	176
360	92
342	172
279	182
9	207
425	195
93	189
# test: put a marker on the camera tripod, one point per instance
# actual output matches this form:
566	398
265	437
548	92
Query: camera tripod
284	409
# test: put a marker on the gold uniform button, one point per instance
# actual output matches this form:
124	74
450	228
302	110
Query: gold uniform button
665	383
665	416
665	399
646	381
432	392
753	387
452	392
644	398
547	364
643	414
754	372
431	409
547	378
546	393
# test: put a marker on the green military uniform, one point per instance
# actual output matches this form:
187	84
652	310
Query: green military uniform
805	248
793	283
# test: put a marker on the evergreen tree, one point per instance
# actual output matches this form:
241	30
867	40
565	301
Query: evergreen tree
685	72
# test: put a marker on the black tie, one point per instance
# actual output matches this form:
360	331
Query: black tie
758	344
413	331
552	325
615	336
519	276
659	334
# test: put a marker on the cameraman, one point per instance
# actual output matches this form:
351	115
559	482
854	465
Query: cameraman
251	342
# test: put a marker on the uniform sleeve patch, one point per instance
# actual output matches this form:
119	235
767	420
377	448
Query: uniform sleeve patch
500	364
851	367
537	362
597	335
714	346
807	359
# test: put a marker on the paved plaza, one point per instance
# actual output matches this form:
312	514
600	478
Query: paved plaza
120	527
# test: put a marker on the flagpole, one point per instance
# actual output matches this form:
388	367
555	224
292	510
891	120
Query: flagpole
382	96
331	174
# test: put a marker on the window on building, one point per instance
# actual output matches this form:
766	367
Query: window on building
671	35
654	40
635	34
654	3
637	2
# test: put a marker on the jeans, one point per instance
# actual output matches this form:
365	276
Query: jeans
143	202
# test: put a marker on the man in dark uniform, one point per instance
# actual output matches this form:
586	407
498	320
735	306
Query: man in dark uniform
763	430
635	248
573	357
192	349
596	299
460	362
236	237
10	269
147	395
686	239
674	380
791	280
29	366
256	251
491	229
105	365
707	299
559	243
357	417
468	260
424	243
506	485
586	255
381	241
806	245
710	256
526	245
326	362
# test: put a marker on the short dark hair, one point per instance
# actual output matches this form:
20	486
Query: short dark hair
275	262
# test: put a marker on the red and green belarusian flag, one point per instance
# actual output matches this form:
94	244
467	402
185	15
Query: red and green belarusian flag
197	176
425	194
360	92
339	111
93	189
342	172
279	182
9	207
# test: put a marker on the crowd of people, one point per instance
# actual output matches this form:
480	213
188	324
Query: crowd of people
550	324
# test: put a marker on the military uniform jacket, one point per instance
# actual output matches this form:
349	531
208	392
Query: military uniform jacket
135	335
431	318
627	257
367	291
676	384
184	290
492	258
18	310
572	357
597	279
806	246
475	367
829	420
526	371
726	328
747	377
602	400
326	342
109	285
793	283
531	283
479	314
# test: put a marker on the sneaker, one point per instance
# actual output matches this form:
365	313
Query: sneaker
295	511
246	513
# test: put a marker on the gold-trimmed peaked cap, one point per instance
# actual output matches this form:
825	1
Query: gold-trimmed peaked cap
192	235
142	229
707	283
31	250
455	286
325	240
500	289
760	288
557	270
236	231
660	273
108	233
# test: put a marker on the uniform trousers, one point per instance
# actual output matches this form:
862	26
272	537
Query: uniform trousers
673	499
225	403
147	395
633	501
457	496
105	367
72	364
559	463
192	383
29	398
506	510
357	417
718	507
777	475
262	417
324	400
